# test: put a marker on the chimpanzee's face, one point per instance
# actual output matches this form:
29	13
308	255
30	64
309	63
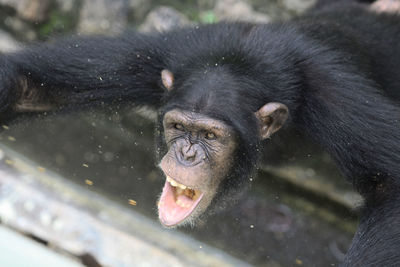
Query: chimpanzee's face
200	155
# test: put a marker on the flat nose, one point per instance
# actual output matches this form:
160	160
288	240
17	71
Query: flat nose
189	153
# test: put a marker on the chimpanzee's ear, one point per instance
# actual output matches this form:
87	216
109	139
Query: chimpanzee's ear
271	117
167	78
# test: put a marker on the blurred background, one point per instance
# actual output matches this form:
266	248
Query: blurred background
82	188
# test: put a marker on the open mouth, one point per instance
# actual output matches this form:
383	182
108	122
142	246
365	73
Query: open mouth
177	202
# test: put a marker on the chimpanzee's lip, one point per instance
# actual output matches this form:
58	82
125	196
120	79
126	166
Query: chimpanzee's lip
177	202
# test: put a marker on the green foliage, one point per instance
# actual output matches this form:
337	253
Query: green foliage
192	9
208	17
58	23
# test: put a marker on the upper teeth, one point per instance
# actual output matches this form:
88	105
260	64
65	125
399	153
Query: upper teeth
175	183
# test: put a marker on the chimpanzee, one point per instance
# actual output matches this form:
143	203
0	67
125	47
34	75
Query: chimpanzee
220	89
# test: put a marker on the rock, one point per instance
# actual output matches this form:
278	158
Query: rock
66	6
386	6
237	10
163	19
20	28
138	10
298	6
7	43
103	16
32	10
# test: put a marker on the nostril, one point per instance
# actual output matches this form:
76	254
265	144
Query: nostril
188	154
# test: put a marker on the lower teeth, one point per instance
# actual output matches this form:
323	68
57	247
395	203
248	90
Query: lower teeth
190	193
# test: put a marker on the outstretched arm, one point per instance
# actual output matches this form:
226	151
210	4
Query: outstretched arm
83	72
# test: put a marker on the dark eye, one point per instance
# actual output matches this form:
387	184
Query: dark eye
178	126
210	136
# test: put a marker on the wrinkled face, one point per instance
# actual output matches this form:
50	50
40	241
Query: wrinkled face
199	157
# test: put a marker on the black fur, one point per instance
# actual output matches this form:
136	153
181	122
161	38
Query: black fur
337	70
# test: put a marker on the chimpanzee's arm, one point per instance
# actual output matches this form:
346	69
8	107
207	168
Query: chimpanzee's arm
82	72
377	242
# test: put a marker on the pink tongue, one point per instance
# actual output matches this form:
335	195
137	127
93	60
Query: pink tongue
185	200
169	211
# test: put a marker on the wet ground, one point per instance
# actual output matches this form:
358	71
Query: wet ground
276	224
